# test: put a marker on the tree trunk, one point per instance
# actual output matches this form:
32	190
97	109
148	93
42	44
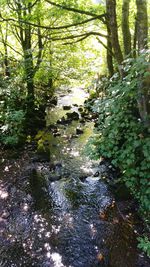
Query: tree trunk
4	37
6	62
135	39
29	77
143	88
29	71
142	24
125	27
109	53
144	101
112	22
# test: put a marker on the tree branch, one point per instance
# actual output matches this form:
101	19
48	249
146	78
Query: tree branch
40	49
17	52
77	41
102	16
105	46
76	36
22	8
48	27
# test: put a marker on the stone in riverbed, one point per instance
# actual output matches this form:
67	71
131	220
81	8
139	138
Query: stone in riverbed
52	127
73	115
74	136
56	134
96	174
66	107
53	100
79	131
63	121
83	178
55	165
80	109
5	215
84	114
82	120
54	178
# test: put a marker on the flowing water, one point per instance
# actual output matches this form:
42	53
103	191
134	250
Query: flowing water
56	213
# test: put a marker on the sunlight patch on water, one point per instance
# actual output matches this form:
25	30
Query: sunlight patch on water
74	153
3	193
76	96
25	207
57	259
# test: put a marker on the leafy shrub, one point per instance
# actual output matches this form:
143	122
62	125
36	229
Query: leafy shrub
12	129
11	111
144	244
121	135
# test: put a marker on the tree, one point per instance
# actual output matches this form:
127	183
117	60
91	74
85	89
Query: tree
142	24
125	28
4	37
142	40
24	12
112	22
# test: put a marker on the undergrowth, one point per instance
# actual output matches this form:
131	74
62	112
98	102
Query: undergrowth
121	135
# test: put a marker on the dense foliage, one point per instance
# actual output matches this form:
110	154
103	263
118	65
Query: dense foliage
122	136
12	112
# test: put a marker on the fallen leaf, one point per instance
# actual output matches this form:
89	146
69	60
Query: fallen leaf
102	216
100	257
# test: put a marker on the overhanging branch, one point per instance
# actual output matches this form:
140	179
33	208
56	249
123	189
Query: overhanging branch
83	12
77	36
48	27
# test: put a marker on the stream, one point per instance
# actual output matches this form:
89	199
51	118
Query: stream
55	210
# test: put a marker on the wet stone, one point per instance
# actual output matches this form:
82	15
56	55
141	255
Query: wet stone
73	115
5	214
79	131
53	100
66	107
83	178
96	174
54	177
82	120
80	109
52	127
74	136
63	121
56	134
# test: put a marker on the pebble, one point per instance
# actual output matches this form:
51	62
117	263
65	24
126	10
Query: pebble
5	214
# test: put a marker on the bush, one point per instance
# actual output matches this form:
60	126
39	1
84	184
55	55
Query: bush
11	112
12	128
123	138
144	244
121	134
